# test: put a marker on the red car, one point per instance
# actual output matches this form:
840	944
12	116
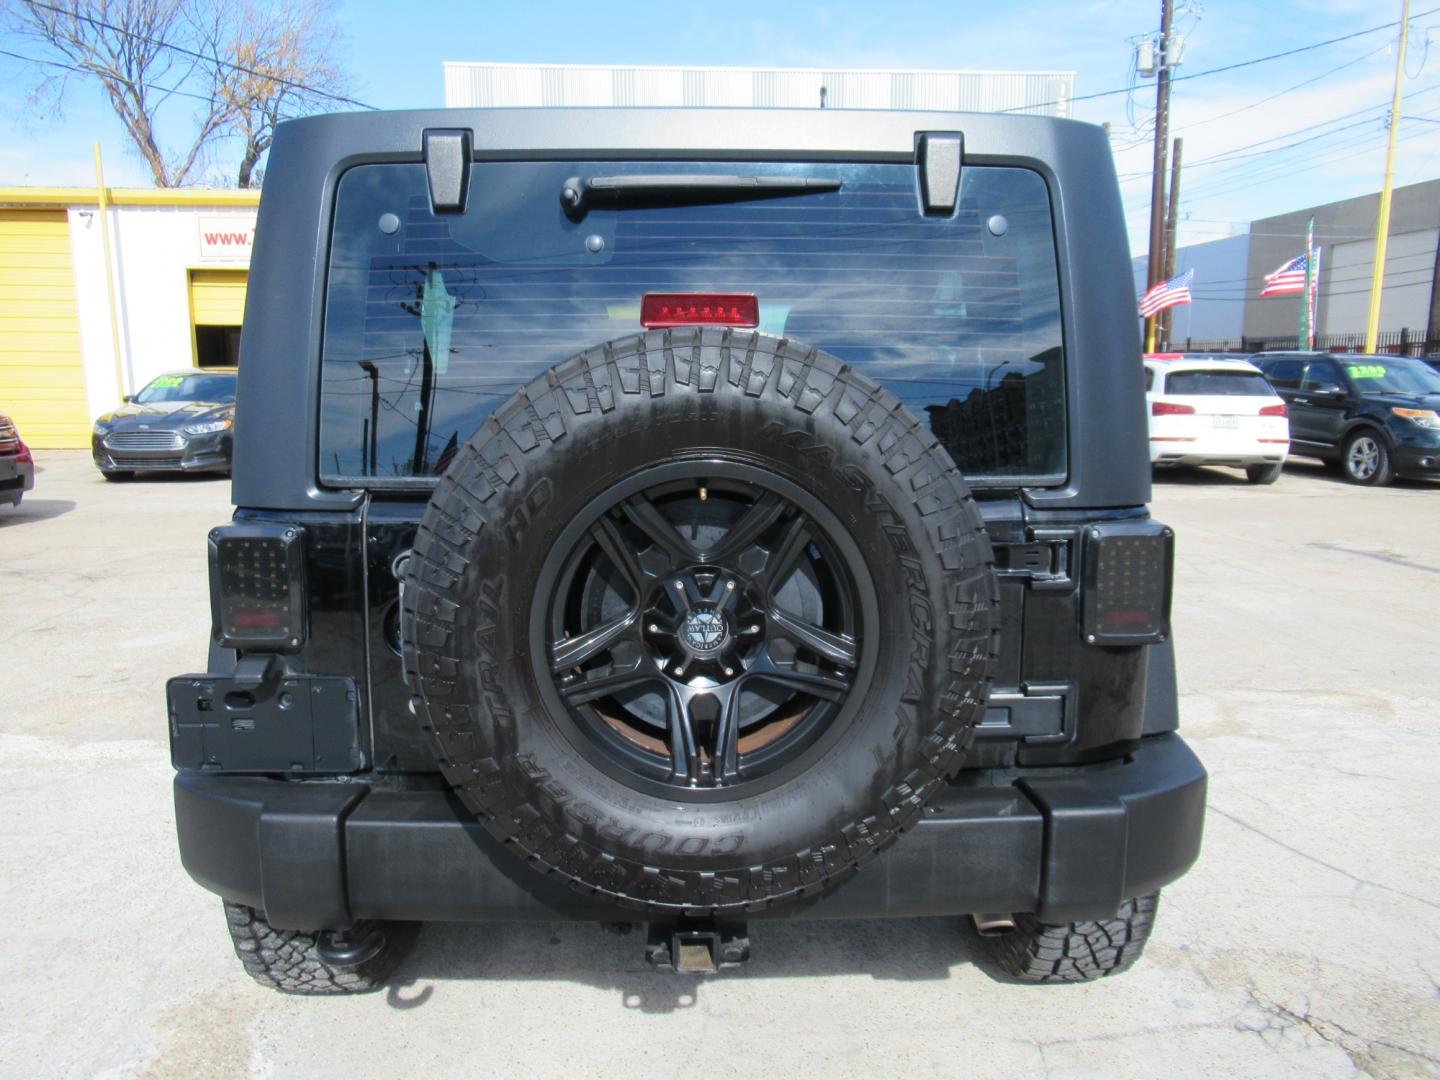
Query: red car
17	466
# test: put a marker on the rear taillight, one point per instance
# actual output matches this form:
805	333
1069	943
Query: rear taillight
1169	408
1128	566
1274	410
23	455
661	311
257	585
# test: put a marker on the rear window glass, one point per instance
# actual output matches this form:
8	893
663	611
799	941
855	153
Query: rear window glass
1218	383
434	320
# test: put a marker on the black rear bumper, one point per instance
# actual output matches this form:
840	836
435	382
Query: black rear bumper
1066	844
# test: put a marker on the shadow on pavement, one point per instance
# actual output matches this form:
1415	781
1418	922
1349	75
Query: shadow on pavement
611	958
31	510
143	478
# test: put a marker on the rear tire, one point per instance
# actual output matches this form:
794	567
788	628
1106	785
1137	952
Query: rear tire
288	960
1264	474
1366	459
1039	952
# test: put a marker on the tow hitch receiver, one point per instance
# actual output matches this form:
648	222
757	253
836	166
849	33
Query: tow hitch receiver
697	946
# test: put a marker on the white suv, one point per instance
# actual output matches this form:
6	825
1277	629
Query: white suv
1208	410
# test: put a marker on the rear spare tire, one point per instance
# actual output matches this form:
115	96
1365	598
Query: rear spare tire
700	620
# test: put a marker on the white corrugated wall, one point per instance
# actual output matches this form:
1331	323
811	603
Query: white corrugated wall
477	85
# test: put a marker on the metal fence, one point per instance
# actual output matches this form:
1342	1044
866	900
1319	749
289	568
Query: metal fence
1394	342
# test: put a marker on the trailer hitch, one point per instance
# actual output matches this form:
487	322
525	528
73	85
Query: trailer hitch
697	946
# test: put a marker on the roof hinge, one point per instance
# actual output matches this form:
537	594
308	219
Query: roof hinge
447	168
937	163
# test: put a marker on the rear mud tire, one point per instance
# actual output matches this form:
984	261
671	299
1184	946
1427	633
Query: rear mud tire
1037	952
287	960
521	758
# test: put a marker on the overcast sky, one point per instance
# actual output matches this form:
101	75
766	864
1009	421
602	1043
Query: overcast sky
396	52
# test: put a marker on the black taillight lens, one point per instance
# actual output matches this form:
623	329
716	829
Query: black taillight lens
1128	570
257	585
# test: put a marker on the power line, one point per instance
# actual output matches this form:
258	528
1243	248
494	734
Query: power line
1232	67
1267	173
1287	90
162	44
90	71
1236	153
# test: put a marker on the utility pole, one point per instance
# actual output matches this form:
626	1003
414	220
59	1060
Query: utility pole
1382	227
1171	217
1155	263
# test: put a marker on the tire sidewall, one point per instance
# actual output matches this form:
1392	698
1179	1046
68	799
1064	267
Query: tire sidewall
1383	466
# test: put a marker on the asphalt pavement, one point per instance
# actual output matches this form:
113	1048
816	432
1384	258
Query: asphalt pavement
1305	943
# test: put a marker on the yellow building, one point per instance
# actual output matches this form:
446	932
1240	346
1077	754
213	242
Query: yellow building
94	302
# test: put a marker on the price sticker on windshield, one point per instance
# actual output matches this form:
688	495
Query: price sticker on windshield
1366	371
168	380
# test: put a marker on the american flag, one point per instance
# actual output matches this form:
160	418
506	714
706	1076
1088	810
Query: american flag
1289	279
1167	294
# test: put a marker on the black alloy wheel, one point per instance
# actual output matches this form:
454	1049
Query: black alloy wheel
705	630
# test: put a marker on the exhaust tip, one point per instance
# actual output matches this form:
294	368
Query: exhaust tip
993	924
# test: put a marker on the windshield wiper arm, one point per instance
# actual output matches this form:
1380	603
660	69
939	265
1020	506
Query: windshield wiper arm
576	193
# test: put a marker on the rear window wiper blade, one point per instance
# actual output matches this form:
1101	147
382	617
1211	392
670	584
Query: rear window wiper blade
577	192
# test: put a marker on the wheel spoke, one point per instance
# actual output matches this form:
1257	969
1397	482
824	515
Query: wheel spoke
574	651
617	549
794	539
725	750
654	524
763	513
816	683
684	752
837	648
602	684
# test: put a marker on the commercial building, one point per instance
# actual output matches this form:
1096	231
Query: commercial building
1226	308
95	303
481	85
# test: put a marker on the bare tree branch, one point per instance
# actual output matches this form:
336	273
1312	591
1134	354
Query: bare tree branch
284	67
244	67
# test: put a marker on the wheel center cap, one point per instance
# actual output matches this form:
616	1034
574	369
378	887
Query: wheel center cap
704	632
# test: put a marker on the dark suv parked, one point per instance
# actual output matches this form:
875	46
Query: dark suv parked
1376	416
744	517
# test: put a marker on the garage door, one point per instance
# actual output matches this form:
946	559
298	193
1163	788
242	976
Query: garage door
42	379
217	297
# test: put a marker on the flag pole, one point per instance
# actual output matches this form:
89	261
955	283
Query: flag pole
1302	338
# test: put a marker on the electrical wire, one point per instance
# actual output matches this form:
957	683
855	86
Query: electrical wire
1230	67
1289	89
160	43
88	71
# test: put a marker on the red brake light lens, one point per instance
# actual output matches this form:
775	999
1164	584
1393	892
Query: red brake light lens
1169	408
1274	410
660	311
257	585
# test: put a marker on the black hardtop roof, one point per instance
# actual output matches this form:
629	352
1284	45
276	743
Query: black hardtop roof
783	132
276	451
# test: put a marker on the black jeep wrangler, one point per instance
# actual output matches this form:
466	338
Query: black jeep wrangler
685	517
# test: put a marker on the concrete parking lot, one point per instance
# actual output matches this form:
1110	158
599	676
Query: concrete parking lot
1306	942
